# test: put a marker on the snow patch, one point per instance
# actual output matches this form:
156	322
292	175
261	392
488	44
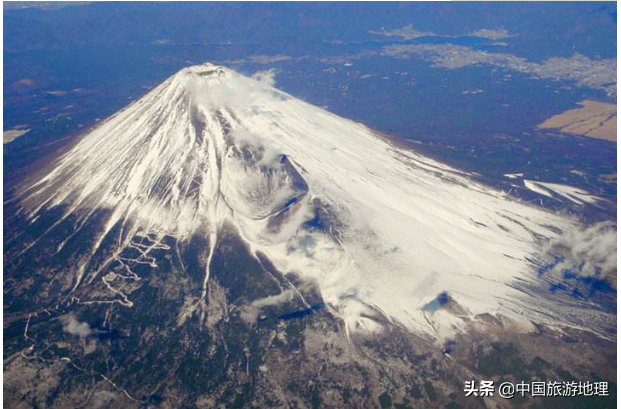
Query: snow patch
573	194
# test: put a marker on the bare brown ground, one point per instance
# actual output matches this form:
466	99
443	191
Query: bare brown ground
594	119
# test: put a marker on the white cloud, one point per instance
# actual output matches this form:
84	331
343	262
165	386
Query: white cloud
251	312
74	327
590	252
283	297
267	77
103	399
269	155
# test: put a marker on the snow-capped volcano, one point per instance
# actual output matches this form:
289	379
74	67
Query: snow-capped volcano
383	232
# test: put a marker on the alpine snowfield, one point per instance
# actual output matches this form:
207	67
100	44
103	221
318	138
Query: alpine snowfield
385	233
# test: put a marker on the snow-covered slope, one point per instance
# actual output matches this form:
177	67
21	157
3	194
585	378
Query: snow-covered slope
381	230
